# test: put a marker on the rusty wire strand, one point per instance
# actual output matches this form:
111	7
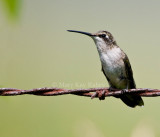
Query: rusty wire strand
80	92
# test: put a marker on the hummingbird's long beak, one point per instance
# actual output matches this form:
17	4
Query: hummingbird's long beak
86	33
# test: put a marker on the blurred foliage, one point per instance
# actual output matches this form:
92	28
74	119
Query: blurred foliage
12	8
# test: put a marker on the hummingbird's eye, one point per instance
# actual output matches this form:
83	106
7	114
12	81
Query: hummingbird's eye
103	35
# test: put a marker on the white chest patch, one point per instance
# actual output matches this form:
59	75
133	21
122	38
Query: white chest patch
113	66
111	57
112	63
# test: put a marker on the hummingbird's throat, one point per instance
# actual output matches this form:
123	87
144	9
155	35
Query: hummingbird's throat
101	45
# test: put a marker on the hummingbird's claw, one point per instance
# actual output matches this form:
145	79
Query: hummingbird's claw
100	94
124	91
112	89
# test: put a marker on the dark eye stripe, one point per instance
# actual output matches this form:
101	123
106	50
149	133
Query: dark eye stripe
102	35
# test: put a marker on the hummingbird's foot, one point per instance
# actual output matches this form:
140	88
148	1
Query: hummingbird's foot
112	89
124	91
100	94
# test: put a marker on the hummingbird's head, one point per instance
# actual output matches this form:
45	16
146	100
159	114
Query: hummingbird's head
103	39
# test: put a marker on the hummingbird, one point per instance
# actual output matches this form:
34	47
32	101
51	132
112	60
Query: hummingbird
115	66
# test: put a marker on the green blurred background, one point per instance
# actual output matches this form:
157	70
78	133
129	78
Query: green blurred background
37	51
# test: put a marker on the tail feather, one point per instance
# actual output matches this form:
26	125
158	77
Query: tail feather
132	100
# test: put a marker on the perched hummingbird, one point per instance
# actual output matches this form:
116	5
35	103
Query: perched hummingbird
115	65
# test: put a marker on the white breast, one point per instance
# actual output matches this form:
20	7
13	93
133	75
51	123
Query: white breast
113	65
112	62
111	57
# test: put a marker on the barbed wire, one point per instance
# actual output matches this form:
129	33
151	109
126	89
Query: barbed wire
92	92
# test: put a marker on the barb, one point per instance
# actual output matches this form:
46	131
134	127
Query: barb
80	92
